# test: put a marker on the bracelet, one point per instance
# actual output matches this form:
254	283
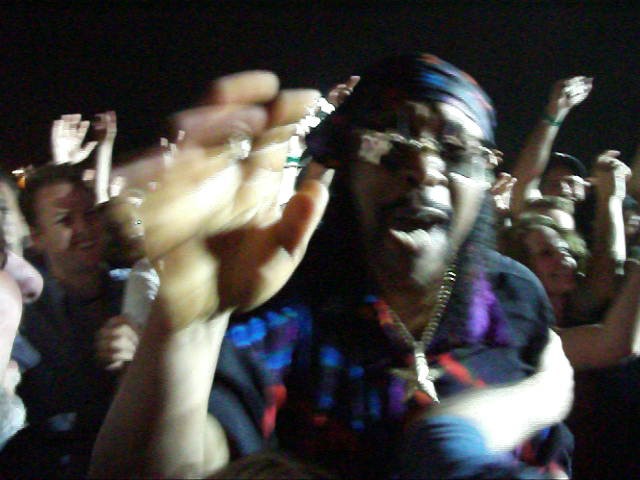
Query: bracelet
550	120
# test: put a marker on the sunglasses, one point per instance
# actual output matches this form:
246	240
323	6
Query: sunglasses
463	155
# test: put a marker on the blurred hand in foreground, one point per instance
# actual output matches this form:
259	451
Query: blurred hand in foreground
212	225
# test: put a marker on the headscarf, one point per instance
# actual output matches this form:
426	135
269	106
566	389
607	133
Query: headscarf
418	77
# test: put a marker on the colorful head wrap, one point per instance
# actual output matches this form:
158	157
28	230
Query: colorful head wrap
418	77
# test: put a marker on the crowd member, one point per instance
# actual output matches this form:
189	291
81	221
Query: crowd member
71	335
559	209
16	232
19	283
602	338
345	352
600	278
128	239
559	259
536	168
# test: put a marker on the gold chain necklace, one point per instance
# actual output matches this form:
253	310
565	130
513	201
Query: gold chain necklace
418	376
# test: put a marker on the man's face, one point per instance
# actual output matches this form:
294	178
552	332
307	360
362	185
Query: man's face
415	210
562	182
68	230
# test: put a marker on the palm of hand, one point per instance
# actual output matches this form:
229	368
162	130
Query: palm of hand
67	135
215	232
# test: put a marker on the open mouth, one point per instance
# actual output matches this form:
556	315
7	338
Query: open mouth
419	218
414	228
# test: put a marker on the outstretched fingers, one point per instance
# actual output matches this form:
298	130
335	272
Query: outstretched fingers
301	217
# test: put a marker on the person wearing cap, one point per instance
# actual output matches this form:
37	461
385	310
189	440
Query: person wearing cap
565	176
536	168
402	346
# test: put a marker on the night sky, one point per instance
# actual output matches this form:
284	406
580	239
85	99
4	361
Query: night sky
147	59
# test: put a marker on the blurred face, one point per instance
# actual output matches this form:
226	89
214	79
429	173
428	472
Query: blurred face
551	261
69	230
415	210
561	182
13	224
563	219
126	227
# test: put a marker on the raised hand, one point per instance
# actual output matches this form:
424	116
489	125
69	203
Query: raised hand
610	175
341	91
105	126
67	136
501	192
106	129
568	93
213	227
116	343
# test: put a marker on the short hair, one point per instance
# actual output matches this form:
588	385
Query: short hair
512	244
550	202
48	174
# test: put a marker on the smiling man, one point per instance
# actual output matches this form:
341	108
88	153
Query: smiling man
402	346
65	386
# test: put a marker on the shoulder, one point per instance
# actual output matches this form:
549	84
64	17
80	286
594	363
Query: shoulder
507	273
521	295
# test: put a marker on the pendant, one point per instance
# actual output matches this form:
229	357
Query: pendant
425	381
418	377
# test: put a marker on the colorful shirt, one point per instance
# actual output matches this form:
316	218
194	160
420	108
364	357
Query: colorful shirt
330	389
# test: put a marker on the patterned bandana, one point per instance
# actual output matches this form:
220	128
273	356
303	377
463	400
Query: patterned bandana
417	77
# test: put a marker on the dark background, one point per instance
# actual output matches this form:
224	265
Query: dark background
148	59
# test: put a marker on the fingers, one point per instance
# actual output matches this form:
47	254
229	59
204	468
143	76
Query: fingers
187	288
257	86
578	87
317	171
213	125
82	128
291	105
353	81
198	188
71	118
340	92
116	342
503	184
302	216
608	160
84	152
569	92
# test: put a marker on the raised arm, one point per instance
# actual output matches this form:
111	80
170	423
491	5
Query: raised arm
616	337
220	243
497	412
533	158
106	127
609	251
